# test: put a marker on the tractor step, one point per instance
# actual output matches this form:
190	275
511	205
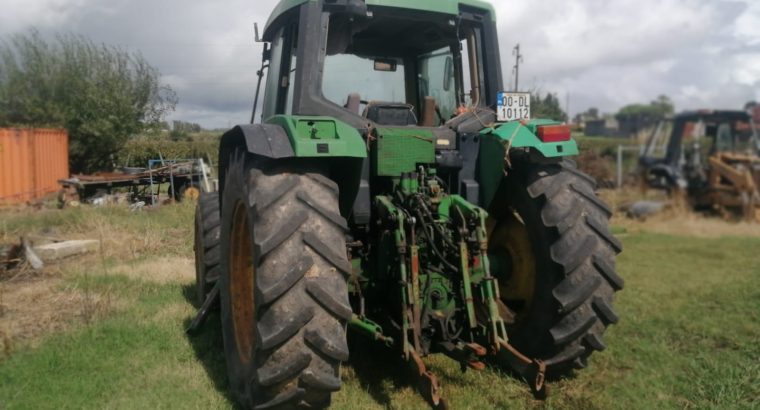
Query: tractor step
211	300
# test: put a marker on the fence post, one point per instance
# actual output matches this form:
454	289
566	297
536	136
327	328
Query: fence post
619	166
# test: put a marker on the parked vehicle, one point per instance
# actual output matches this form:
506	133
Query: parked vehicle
438	218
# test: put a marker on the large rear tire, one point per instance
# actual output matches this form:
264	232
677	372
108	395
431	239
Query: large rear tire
284	298
207	244
551	233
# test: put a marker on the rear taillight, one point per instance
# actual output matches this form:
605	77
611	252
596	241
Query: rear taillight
554	133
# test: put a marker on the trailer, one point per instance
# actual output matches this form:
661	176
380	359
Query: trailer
179	179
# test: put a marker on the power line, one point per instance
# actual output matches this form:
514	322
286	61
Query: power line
516	68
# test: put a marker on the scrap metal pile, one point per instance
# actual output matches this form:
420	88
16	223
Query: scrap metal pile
138	185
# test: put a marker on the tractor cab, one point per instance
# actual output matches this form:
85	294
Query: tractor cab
712	156
404	83
679	148
372	64
713	131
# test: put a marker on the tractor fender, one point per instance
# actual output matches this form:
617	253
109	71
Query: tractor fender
266	140
274	141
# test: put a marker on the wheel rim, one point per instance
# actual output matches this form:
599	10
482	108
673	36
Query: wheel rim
192	193
512	254
241	277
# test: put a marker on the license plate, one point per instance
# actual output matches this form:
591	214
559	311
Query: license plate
512	106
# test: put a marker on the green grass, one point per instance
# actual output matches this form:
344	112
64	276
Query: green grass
603	145
689	336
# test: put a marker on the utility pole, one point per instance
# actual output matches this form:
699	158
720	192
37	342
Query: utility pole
516	68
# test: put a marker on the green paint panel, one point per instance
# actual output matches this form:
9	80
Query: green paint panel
523	136
321	136
493	143
438	6
451	201
401	150
282	7
317	129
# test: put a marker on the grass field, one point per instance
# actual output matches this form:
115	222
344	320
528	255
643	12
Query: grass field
689	335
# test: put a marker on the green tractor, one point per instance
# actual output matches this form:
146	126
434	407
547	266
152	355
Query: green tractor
391	188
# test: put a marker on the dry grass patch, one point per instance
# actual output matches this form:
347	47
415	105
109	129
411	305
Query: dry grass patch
32	307
83	289
162	270
687	223
694	225
675	219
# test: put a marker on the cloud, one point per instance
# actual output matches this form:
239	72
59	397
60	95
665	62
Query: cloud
205	51
20	14
608	54
747	27
702	53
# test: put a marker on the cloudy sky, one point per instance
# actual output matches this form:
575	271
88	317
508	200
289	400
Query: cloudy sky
603	53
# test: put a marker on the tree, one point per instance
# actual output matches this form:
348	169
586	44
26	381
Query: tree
547	107
592	113
182	129
589	115
654	111
101	94
634	118
664	105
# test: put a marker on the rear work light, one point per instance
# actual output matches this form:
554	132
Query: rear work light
554	133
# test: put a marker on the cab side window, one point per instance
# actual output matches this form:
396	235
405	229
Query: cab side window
278	95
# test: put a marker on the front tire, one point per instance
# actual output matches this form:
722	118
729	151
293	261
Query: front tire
284	298
560	279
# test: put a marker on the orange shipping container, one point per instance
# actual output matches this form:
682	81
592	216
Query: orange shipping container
31	163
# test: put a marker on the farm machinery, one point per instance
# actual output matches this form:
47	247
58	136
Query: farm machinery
709	159
391	189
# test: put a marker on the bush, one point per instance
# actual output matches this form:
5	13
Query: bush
101	94
138	151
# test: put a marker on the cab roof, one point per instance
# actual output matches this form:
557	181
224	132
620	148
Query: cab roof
438	6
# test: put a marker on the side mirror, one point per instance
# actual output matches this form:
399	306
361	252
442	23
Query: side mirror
256	33
448	73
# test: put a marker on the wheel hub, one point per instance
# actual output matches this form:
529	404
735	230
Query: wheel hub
192	194
514	262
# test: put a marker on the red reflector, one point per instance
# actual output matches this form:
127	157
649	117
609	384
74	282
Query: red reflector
554	133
